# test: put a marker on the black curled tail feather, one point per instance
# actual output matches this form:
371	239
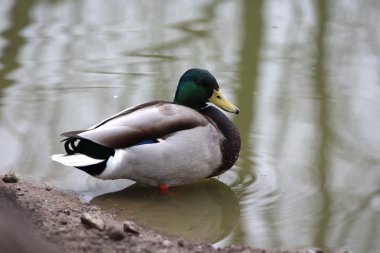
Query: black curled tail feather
70	145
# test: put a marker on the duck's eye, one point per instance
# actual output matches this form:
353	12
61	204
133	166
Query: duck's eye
200	83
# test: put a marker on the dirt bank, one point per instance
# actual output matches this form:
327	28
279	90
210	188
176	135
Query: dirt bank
35	217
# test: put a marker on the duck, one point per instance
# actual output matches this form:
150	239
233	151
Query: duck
161	143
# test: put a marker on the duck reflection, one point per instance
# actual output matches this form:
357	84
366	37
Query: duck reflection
205	211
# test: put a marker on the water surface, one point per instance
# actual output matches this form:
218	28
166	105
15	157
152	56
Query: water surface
304	74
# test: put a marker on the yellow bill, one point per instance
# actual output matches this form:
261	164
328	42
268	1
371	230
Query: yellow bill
219	100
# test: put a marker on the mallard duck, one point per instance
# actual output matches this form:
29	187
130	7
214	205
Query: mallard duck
160	142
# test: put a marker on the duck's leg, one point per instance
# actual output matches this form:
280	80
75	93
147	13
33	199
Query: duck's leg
164	188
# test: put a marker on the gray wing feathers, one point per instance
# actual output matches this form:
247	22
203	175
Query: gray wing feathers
152	120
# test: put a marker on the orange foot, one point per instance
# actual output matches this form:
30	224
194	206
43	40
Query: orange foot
164	188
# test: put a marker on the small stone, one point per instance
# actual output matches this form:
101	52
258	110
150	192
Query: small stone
116	234
130	227
181	242
19	194
92	222
60	230
66	211
167	243
48	188
198	249
90	208
63	222
10	178
18	188
311	250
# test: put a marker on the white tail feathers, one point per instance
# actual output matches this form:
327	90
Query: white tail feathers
75	160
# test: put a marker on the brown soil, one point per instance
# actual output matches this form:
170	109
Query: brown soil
35	218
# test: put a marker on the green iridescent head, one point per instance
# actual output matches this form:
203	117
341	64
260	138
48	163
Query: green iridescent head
196	87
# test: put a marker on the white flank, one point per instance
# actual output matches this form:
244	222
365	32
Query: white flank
175	160
75	160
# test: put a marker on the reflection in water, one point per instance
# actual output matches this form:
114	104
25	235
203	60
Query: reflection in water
322	152
206	211
248	71
19	19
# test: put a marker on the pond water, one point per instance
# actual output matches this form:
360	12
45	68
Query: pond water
305	75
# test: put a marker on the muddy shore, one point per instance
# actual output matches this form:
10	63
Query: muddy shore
35	217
